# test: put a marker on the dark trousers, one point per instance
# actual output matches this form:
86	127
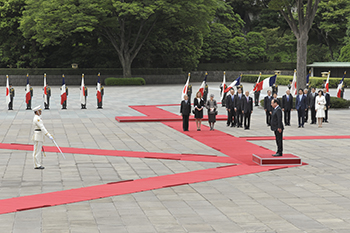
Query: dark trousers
29	104
185	119
287	117
11	104
231	117
256	98
325	115
239	117
64	105
268	117
279	143
306	114
247	120
301	116
99	104
47	106
313	115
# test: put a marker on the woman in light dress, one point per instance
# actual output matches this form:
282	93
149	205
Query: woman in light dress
320	103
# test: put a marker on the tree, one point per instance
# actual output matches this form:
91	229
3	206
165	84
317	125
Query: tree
300	27
126	24
237	48
256	45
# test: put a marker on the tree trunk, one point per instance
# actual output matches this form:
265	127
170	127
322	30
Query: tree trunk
126	64
302	58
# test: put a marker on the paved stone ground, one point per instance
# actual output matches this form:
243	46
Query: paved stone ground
312	198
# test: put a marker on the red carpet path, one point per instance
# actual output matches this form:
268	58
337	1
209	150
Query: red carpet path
238	151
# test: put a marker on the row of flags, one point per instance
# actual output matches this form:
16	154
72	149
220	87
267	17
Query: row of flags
63	90
268	82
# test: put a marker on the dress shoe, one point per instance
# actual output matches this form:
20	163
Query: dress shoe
299	126
325	121
41	167
302	126
277	155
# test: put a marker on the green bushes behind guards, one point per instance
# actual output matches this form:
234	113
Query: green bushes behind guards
124	81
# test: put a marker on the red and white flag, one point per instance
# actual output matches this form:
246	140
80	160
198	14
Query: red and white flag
28	95
293	89
340	85
327	82
63	91
201	88
98	88
82	91
184	90
7	90
45	90
256	85
223	84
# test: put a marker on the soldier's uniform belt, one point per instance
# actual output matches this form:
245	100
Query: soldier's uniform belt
37	130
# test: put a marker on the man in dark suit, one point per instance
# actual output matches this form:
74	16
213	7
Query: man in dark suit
239	115
287	106
277	126
306	93
267	107
328	104
312	97
231	108
300	106
247	109
185	111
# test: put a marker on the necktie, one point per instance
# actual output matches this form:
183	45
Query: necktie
232	97
247	99
287	97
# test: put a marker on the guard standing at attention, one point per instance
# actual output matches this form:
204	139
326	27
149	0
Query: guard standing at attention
12	94
189	91
100	92
83	106
29	102
47	91
38	137
256	96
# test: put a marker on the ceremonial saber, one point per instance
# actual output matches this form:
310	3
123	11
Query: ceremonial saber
58	148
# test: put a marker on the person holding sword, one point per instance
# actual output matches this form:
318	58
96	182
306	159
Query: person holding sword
38	137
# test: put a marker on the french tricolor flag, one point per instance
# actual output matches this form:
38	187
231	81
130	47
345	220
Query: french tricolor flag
28	95
184	90
201	88
63	91
234	83
268	82
98	88
340	85
7	90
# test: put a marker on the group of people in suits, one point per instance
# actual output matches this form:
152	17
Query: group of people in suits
239	107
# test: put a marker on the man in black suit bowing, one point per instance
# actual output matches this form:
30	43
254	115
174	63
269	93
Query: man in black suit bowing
267	107
277	126
247	109
231	108
287	106
185	111
239	115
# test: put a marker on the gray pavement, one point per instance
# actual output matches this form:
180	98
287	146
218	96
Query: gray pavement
312	198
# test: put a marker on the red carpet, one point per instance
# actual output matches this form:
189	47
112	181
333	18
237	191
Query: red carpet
297	137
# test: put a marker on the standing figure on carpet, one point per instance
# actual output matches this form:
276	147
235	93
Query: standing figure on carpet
12	94
239	115
300	106
64	94
231	108
320	105
100	92
328	105
38	137
267	107
312	97
189	91
198	104
205	92
211	106
247	109
256	96
277	126
185	111
287	106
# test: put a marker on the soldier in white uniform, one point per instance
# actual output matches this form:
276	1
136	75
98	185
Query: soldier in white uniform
38	137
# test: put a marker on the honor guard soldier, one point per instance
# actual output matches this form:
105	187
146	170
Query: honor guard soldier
275	89
222	89
240	86
205	92
256	96
189	91
83	106
64	102
29	100
12	94
38	137
99	103
290	84
47	93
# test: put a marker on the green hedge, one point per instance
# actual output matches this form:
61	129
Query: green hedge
246	66
90	71
124	81
335	102
284	80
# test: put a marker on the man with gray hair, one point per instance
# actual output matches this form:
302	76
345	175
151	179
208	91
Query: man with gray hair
38	137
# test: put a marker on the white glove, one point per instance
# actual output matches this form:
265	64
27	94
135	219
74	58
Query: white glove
51	137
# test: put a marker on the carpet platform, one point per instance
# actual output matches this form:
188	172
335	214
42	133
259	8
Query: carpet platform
269	160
